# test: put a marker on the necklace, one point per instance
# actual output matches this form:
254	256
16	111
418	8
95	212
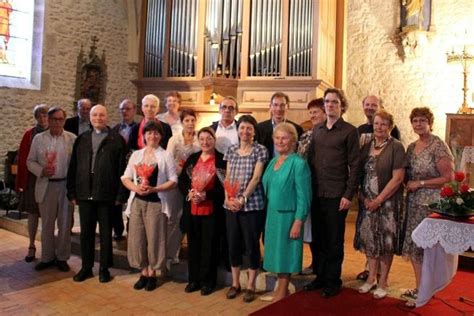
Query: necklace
382	145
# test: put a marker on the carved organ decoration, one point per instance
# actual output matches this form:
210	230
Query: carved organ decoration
240	48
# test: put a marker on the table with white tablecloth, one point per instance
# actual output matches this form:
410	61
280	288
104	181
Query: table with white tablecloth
442	240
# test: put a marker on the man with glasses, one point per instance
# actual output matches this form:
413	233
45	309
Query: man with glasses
127	111
333	156
279	103
81	122
48	160
226	128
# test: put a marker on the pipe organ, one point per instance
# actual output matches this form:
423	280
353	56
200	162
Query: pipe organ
238	47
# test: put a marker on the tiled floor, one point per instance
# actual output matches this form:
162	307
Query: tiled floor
25	291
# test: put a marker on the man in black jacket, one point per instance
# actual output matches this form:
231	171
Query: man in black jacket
279	103
93	182
81	122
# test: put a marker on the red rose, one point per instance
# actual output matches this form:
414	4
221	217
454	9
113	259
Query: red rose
459	176
464	188
446	191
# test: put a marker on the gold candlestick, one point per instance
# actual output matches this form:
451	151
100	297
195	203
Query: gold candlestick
464	58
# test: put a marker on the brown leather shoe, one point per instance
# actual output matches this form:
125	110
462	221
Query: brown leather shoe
249	296
233	292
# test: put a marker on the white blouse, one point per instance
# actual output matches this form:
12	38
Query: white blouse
166	172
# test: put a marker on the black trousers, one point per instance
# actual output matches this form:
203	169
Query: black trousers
203	243
117	220
244	227
91	212
328	224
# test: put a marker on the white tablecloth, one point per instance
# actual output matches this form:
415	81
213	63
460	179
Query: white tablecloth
442	240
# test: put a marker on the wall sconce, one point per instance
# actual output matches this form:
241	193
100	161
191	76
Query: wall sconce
464	58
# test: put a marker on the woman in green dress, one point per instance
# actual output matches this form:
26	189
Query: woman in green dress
287	185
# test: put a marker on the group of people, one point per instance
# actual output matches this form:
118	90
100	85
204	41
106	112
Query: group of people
228	187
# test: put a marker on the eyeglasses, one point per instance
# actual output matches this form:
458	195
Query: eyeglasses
227	107
419	120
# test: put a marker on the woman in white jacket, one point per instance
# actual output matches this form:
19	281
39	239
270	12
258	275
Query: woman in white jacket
150	172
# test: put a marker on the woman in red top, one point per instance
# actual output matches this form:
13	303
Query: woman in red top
25	180
203	212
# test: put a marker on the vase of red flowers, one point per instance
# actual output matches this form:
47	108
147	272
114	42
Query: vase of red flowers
456	198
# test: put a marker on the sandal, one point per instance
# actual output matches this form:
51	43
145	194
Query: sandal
380	293
367	287
364	275
410	295
31	254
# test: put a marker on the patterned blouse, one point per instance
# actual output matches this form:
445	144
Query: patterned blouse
303	144
242	168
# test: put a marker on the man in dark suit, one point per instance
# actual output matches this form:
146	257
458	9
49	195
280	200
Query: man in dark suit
279	103
81	122
127	110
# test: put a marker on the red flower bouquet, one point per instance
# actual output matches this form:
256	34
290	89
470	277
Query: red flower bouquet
202	175
144	172
456	198
51	157
231	188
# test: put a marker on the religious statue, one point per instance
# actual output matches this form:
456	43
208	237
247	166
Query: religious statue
415	15
91	75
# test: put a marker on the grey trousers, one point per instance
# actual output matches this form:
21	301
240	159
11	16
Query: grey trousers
174	235
55	208
147	236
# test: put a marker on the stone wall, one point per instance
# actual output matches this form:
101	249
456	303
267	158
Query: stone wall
69	24
374	67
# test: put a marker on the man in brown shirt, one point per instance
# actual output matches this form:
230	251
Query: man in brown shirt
334	160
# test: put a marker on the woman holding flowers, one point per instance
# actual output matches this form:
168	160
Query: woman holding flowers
244	202
202	212
150	172
430	166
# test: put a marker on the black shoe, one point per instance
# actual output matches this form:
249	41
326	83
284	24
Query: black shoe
206	290
150	284
192	287
314	285
104	275
31	254
119	238
328	292
62	265
45	265
83	274
141	283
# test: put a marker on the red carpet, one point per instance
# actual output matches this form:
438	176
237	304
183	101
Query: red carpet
350	302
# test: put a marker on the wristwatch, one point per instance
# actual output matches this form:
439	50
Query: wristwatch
422	183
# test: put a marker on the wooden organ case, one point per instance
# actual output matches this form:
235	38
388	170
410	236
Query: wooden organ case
245	48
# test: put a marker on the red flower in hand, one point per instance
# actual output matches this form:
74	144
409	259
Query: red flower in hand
464	188
446	191
459	176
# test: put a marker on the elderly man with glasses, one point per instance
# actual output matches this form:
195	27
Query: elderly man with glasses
48	160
